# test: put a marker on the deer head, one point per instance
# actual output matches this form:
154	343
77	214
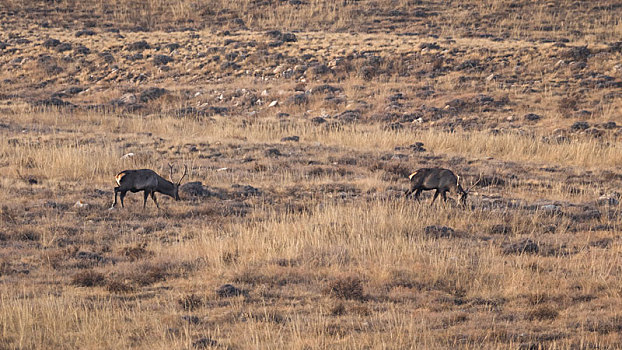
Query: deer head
176	184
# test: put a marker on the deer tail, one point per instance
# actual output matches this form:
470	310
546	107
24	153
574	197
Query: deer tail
119	177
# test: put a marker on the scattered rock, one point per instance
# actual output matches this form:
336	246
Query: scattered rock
161	60
551	208
610	125
417	147
318	120
152	93
281	37
204	343
128	99
609	199
194	189
525	246
139	46
602	243
298	99
63	47
245	191
582	214
107	57
214	110
349	116
50	43
469	65
272	152
394	127
291	138
320	69
80	204
191	319
85	32
172	46
189	112
68	92
367	72
288	37
228	290
90	256
323	89
439	231
582	125
532	117
501	229
54	101
490	180
579	53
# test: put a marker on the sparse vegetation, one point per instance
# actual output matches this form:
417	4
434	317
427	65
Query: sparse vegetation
300	122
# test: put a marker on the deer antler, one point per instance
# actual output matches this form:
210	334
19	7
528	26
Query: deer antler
473	185
184	175
171	169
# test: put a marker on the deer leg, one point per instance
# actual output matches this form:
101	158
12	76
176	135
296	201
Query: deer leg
116	190
417	194
154	199
444	195
435	195
122	196
145	199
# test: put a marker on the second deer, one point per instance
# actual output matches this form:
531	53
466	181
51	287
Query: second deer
149	182
439	179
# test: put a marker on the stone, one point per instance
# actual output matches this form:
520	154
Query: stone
525	246
152	93
582	125
229	290
437	231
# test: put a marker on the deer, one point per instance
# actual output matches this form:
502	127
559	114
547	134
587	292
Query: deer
439	179
149	182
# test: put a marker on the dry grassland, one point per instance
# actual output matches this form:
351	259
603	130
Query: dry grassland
300	122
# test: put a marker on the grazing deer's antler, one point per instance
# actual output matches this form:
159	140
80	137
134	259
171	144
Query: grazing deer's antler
184	175
171	170
475	184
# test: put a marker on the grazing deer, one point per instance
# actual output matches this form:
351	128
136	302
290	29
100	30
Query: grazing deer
148	181
439	179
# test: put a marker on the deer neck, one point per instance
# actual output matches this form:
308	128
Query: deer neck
166	187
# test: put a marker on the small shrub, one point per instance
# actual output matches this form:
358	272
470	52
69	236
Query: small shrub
338	309
543	312
88	278
116	286
148	274
136	252
350	287
190	302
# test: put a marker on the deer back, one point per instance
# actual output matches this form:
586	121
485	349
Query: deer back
139	179
433	178
447	179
